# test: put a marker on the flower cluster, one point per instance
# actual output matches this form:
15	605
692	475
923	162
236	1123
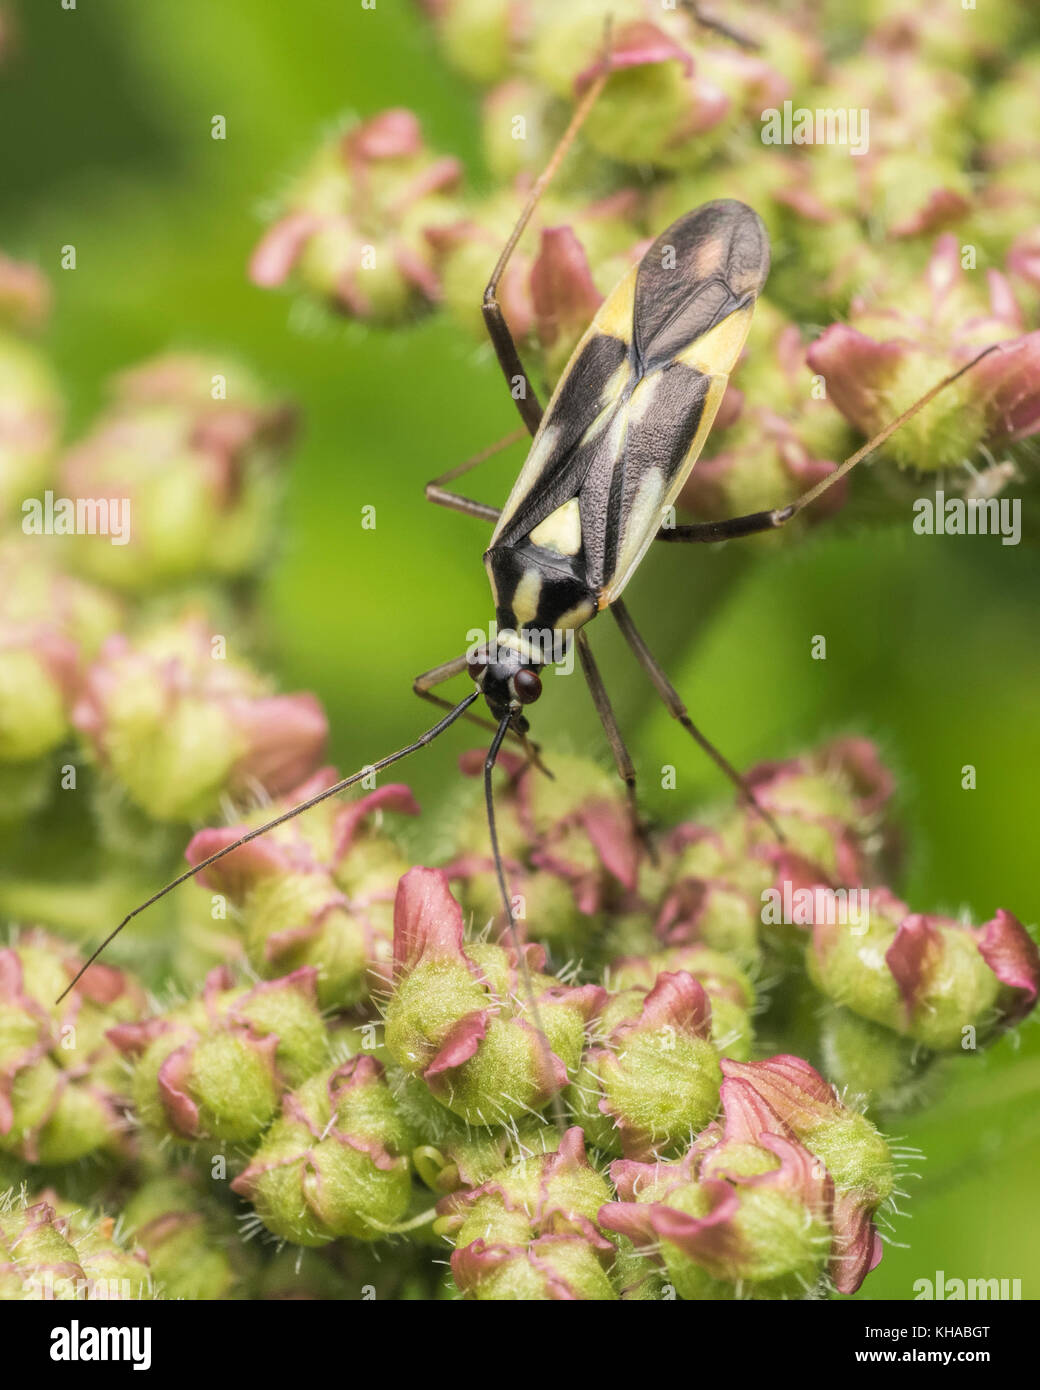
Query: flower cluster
392	1051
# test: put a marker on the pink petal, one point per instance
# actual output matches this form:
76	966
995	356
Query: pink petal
912	957
392	134
427	920
677	1000
856	369
942	205
396	796
1008	381
461	1044
280	247
285	736
633	46
563	292
609	828
181	1110
236	873
1012	955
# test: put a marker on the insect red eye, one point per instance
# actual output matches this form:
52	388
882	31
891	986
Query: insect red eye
528	686
476	669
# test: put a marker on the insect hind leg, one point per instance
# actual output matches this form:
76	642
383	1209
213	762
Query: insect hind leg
737	526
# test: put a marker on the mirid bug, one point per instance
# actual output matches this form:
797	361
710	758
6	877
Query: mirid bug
609	455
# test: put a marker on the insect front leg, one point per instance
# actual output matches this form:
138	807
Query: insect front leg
674	704
441	497
506	351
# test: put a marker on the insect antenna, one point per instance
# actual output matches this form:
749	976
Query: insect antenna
293	811
521	956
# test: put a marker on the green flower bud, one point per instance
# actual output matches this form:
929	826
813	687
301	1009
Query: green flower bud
652	1079
728	988
355	223
334	1164
216	1070
62	1087
175	723
187	1242
927	977
49	1250
189	451
459	1019
530	1232
317	892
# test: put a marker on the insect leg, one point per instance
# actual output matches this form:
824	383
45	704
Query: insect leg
672	700
439	495
718	26
737	526
622	759
498	330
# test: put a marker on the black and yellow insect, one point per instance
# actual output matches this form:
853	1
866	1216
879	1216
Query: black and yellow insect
608	458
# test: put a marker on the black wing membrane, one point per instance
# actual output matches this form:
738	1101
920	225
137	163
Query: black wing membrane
636	394
706	265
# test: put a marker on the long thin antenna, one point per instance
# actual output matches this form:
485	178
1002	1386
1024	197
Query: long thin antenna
514	935
293	811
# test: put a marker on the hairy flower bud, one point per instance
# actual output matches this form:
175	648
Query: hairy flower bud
62	1088
188	1243
651	1080
216	1069
334	1163
67	1256
317	891
459	1018
353	225
178	478
928	977
175	722
569	843
530	1231
896	347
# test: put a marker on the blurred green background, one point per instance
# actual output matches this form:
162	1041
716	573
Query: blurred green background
931	643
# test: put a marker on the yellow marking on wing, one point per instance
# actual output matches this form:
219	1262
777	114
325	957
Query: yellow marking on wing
634	545
614	315
715	353
525	597
560	532
541	450
614	318
642	398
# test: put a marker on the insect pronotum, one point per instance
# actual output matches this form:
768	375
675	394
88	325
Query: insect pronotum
609	455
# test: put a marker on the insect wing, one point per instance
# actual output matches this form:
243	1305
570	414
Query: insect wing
694	297
630	414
